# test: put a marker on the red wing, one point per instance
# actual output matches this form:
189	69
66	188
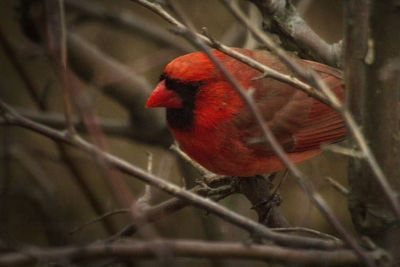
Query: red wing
323	124
299	122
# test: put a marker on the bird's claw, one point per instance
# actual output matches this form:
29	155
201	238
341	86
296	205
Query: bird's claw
217	186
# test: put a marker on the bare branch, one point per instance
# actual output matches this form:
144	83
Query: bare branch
265	201
336	185
341	150
98	219
143	202
56	48
282	18
57	121
180	248
203	171
373	78
305	231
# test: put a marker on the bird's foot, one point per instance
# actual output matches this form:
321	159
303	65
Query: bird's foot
217	186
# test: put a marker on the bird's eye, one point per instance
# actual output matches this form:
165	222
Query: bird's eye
163	76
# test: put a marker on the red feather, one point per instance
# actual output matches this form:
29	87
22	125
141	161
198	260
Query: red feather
216	129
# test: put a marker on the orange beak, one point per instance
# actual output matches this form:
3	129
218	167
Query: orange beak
162	97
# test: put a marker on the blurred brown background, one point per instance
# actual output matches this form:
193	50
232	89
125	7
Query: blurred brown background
41	202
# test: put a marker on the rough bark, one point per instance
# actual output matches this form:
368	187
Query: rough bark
373	84
258	190
282	19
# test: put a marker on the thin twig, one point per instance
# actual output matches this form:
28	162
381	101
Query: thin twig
343	151
57	50
207	178
307	231
282	181
168	207
336	185
183	155
98	219
64	68
56	120
282	18
143	202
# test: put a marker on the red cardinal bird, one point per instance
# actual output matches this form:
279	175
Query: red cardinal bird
214	127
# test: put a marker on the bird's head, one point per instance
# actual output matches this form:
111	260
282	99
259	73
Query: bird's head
179	84
193	89
181	80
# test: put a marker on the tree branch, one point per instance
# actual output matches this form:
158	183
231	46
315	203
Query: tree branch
373	60
56	120
282	18
180	248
